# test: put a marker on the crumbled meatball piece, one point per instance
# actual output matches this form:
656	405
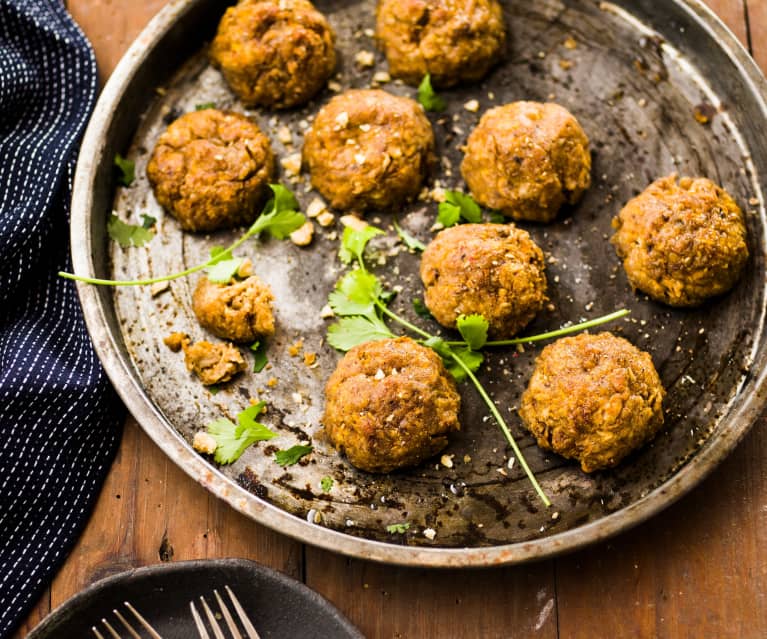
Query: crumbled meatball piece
213	363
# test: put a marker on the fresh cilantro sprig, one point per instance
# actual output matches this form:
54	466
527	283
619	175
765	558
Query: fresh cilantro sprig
279	219
413	243
259	356
128	234
458	206
233	439
126	170
428	97
398	529
292	455
204	106
326	483
360	301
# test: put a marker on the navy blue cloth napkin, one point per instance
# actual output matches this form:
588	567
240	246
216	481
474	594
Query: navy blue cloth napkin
60	421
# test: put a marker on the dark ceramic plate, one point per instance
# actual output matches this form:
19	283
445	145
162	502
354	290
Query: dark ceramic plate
278	606
638	72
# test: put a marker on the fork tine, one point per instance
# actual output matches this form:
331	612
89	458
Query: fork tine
249	629
198	622
227	616
152	632
125	623
97	633
212	620
111	630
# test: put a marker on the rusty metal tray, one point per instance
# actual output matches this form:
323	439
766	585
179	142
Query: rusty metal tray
635	79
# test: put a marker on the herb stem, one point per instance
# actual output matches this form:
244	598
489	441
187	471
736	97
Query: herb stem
575	328
507	433
154	280
401	320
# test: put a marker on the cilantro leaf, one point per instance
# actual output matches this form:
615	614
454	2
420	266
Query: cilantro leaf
349	332
232	439
473	329
127	234
354	242
458	205
355	294
414	244
126	170
497	217
428	98
204	106
399	529
147	221
259	356
420	308
326	484
291	455
470	358
222	272
280	216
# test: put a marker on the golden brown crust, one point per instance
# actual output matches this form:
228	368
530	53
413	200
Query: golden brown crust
274	53
682	241
527	159
240	311
211	169
593	398
495	270
369	149
452	40
213	363
390	404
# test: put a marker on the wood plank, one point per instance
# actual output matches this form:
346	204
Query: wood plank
149	511
757	17
733	13
390	602
696	570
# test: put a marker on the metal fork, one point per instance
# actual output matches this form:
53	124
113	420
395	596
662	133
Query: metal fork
217	632
131	630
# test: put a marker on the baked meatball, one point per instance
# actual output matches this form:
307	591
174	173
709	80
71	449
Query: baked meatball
390	404
368	149
211	169
240	311
495	270
452	40
682	241
274	53
593	398
527	159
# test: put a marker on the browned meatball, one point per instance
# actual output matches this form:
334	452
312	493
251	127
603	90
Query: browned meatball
495	270
682	241
274	53
213	363
211	170
240	311
527	159
452	40
390	404
368	149
593	398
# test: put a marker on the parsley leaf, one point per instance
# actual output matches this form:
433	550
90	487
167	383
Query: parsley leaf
127	234
420	308
355	294
458	205
232	439
126	170
259	356
473	329
147	221
291	455
326	483
204	106
414	244
280	216
399	529
349	332
354	242
428	97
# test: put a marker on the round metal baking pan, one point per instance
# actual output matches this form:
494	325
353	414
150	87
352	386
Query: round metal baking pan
636	76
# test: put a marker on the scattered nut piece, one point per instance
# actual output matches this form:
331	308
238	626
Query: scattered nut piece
327	312
326	219
334	86
284	135
204	443
472	106
365	58
159	287
381	77
292	164
246	269
316	206
356	223
429	533
446	461
303	236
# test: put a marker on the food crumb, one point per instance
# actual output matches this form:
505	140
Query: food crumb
472	106
325	219
159	287
326	312
292	164
272	382
467	459
296	348
310	359
316	207
365	58
303	236
284	135
204	443
381	77
570	43
430	533
446	461
565	64
176	341
334	86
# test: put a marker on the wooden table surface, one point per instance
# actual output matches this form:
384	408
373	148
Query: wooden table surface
697	570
